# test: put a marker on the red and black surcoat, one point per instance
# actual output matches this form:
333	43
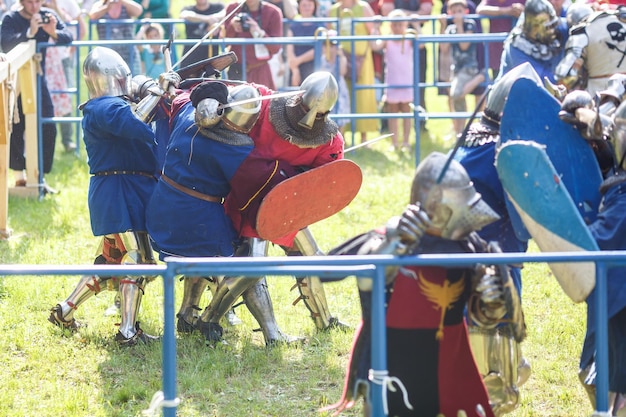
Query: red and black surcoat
427	341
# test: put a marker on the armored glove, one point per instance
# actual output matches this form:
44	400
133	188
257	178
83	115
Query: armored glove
579	109
407	233
403	234
488	304
169	79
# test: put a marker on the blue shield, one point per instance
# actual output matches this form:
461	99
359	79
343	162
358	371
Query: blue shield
547	211
531	113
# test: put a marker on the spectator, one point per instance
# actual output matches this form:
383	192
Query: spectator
445	60
152	59
534	39
256	20
466	73
31	21
378	55
335	62
199	19
398	77
288	8
505	13
61	68
114	10
156	9
300	56
277	61
346	10
413	8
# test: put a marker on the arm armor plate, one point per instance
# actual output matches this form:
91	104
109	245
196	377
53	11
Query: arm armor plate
487	314
570	71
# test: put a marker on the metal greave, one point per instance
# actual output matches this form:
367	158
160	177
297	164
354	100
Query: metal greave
311	287
193	288
88	286
131	292
229	290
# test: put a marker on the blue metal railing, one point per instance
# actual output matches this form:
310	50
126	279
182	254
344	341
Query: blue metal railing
417	115
334	266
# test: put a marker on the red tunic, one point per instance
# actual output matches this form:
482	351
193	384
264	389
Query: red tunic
269	145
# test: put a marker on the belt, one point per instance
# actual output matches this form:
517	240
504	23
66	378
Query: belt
115	172
189	191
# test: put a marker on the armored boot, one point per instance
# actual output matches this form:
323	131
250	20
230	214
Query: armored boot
227	293
188	313
129	333
259	303
111	250
62	314
311	288
230	316
132	289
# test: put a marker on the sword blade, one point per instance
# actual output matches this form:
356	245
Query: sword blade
367	143
261	98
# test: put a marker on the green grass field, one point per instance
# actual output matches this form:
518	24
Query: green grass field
47	373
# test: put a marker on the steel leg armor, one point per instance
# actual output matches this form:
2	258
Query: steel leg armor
259	303
124	249
311	288
187	315
256	297
500	362
111	250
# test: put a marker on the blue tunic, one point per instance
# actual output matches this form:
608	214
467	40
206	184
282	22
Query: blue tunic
183	225
478	161
116	140
609	230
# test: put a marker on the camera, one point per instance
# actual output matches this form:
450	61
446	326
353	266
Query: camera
243	18
45	17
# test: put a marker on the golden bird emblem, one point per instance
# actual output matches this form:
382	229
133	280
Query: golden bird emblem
443	296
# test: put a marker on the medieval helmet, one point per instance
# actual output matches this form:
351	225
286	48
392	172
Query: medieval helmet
320	95
106	73
242	117
452	203
500	91
540	21
303	119
576	12
208	113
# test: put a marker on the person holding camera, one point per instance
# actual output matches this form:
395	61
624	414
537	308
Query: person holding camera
113	11
32	21
257	19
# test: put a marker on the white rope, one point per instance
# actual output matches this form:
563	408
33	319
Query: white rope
383	378
158	401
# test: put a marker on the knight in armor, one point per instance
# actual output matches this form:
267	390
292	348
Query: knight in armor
186	217
595	50
296	134
607	137
497	350
535	39
122	158
428	351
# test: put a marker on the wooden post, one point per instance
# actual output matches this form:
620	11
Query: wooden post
17	74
